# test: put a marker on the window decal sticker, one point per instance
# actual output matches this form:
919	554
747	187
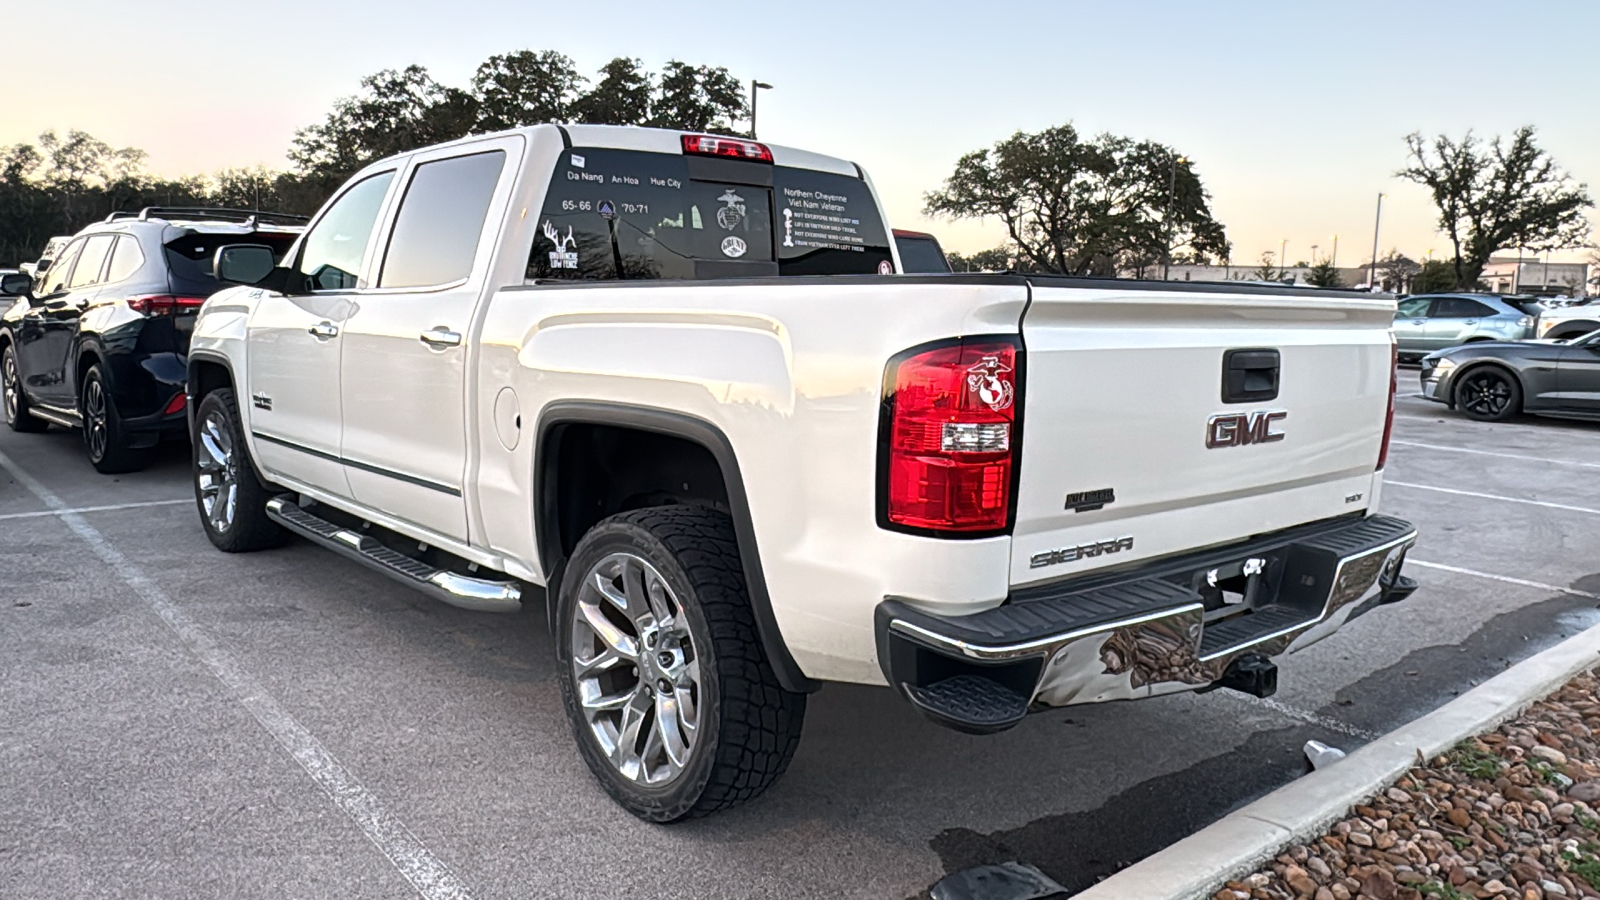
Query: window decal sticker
732	246
561	257
733	211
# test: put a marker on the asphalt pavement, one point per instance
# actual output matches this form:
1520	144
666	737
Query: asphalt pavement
176	722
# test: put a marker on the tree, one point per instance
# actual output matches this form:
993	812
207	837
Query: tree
1498	195
396	111
524	88
1396	271
1434	276
698	98
1266	272
621	96
1324	275
996	259
1082	207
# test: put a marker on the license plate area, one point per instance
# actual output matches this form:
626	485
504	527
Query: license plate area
1292	576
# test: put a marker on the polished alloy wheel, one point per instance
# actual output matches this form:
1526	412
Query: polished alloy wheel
8	384
216	472
94	418
636	669
1485	393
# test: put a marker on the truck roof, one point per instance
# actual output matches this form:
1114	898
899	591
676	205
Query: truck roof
654	140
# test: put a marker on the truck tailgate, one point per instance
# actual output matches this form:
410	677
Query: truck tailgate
1122	459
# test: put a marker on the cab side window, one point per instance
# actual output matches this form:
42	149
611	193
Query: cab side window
125	260
91	261
55	280
336	247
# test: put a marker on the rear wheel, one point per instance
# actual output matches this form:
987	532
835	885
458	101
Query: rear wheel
231	499
103	434
16	404
1489	395
674	705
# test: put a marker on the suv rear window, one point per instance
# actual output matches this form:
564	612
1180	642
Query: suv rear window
189	257
613	214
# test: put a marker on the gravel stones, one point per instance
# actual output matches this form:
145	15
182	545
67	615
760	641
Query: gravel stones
1509	814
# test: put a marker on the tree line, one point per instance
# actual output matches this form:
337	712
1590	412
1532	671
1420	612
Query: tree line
1106	205
60	184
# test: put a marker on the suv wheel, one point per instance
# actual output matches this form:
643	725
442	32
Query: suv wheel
675	707
231	499
1489	395
16	405
103	436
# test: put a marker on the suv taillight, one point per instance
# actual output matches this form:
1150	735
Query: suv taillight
1394	386
164	304
949	440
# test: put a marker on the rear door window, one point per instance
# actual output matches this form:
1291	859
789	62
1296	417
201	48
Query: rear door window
622	214
1460	308
440	221
93	257
920	255
1414	308
125	260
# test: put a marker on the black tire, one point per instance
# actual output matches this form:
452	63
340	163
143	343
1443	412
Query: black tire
245	527
748	725
15	401
103	435
1489	394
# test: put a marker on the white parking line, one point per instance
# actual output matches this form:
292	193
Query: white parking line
1537	459
1310	718
1544	503
89	509
1554	588
430	877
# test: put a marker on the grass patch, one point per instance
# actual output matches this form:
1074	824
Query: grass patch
1442	890
1475	762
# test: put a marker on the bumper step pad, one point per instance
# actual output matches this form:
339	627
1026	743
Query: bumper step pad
970	703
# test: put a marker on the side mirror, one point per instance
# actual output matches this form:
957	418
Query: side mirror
243	263
16	284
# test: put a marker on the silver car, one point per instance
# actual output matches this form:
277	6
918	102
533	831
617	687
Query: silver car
1429	322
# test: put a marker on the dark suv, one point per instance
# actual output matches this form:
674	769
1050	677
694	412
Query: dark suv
102	341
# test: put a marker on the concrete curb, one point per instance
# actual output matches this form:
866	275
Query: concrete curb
1239	843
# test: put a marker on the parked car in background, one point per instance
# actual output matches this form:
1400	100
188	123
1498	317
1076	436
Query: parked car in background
52	249
1428	322
920	252
1494	381
1571	321
101	342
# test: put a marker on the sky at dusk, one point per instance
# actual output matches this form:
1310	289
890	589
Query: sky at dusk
1294	114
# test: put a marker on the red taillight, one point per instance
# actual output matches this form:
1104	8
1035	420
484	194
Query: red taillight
732	148
950	436
164	304
1394	386
175	404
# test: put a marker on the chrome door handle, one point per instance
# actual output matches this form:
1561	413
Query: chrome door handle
440	337
324	330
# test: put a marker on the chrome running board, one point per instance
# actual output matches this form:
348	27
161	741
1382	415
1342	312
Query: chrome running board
464	591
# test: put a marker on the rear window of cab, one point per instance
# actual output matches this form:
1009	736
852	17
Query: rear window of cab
627	214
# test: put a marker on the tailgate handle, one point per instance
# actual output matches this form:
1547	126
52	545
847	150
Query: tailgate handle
1249	376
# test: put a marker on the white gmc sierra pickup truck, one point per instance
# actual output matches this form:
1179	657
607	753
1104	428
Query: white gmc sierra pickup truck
575	357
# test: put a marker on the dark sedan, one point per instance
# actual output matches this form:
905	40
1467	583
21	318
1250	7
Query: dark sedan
1493	381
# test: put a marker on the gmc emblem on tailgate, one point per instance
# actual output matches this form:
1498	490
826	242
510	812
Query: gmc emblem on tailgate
1239	429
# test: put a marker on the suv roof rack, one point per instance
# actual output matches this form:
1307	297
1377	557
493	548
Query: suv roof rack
250	217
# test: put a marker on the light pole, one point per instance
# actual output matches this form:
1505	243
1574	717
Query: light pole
1172	191
1314	253
755	87
1282	246
1334	259
1372	276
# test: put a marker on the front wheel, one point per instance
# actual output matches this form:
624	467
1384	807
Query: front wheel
16	403
231	499
675	707
1489	395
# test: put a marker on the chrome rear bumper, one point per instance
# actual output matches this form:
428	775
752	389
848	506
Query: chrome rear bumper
1146	633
